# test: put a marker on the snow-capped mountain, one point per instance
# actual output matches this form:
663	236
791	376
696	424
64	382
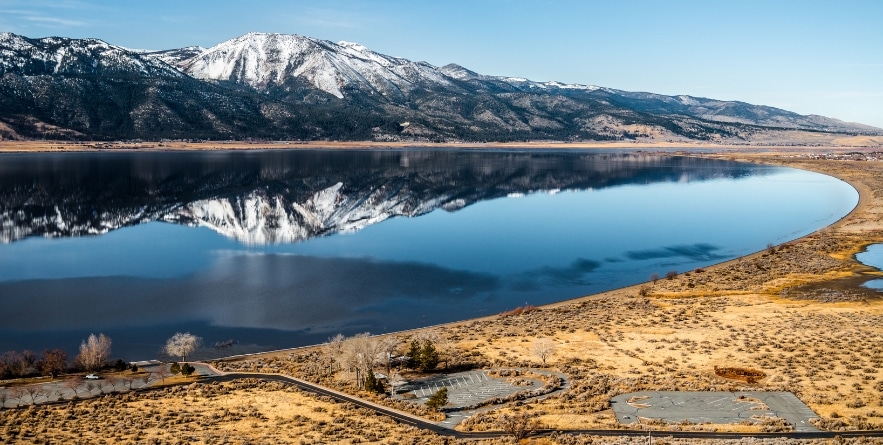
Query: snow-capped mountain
264	61
175	57
278	86
75	57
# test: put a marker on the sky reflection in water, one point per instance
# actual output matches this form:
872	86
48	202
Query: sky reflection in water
401	273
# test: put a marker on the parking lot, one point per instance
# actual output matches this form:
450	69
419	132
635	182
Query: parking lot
464	388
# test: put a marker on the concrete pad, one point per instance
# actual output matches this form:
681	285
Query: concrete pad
713	407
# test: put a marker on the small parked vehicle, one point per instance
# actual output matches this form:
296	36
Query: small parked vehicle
92	377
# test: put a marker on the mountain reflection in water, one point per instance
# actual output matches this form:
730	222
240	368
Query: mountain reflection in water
288	196
284	248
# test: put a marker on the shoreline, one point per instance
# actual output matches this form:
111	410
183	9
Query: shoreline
686	146
797	313
865	197
671	335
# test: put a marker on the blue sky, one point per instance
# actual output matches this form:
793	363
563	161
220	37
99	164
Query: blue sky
811	57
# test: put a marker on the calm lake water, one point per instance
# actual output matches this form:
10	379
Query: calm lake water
276	249
873	256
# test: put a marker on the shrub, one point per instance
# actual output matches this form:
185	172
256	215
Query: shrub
372	384
175	368
439	399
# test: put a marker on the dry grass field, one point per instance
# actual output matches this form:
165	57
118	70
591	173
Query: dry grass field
242	412
794	312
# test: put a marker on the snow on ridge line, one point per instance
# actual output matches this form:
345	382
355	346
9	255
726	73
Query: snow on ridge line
258	59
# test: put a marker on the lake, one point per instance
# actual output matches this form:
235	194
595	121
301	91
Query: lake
260	250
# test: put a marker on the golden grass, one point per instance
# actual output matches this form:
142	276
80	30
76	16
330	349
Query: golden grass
795	314
244	412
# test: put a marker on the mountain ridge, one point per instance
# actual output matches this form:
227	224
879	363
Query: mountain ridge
287	86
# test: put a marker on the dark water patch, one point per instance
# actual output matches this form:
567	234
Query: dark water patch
695	252
575	273
314	296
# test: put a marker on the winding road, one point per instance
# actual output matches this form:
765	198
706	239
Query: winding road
412	420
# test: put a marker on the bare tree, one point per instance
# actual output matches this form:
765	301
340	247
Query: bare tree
145	379
91	387
543	348
94	351
162	372
518	425
34	392
388	347
446	349
28	361
17	392
3	398
113	381
334	351
73	383
18	363
182	344
395	380
53	363
361	354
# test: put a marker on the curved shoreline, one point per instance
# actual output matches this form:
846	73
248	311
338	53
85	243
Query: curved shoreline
865	197
813	341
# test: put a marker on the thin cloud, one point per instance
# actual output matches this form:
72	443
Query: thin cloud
41	19
54	21
329	18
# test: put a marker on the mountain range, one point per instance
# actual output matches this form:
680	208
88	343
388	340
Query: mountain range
291	87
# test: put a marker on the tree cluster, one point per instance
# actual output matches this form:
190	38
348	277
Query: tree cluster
184	369
363	354
94	352
423	355
15	364
360	355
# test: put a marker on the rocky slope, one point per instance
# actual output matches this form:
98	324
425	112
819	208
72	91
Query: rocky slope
277	86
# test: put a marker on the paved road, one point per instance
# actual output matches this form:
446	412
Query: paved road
445	431
210	374
58	390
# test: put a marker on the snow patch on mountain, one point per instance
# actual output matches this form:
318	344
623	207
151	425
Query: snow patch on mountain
64	56
265	60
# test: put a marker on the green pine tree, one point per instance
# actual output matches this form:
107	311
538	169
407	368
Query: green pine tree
428	356
439	399
414	354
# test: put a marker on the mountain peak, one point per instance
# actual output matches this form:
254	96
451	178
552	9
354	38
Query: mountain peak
71	87
354	46
458	72
267	61
75	57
